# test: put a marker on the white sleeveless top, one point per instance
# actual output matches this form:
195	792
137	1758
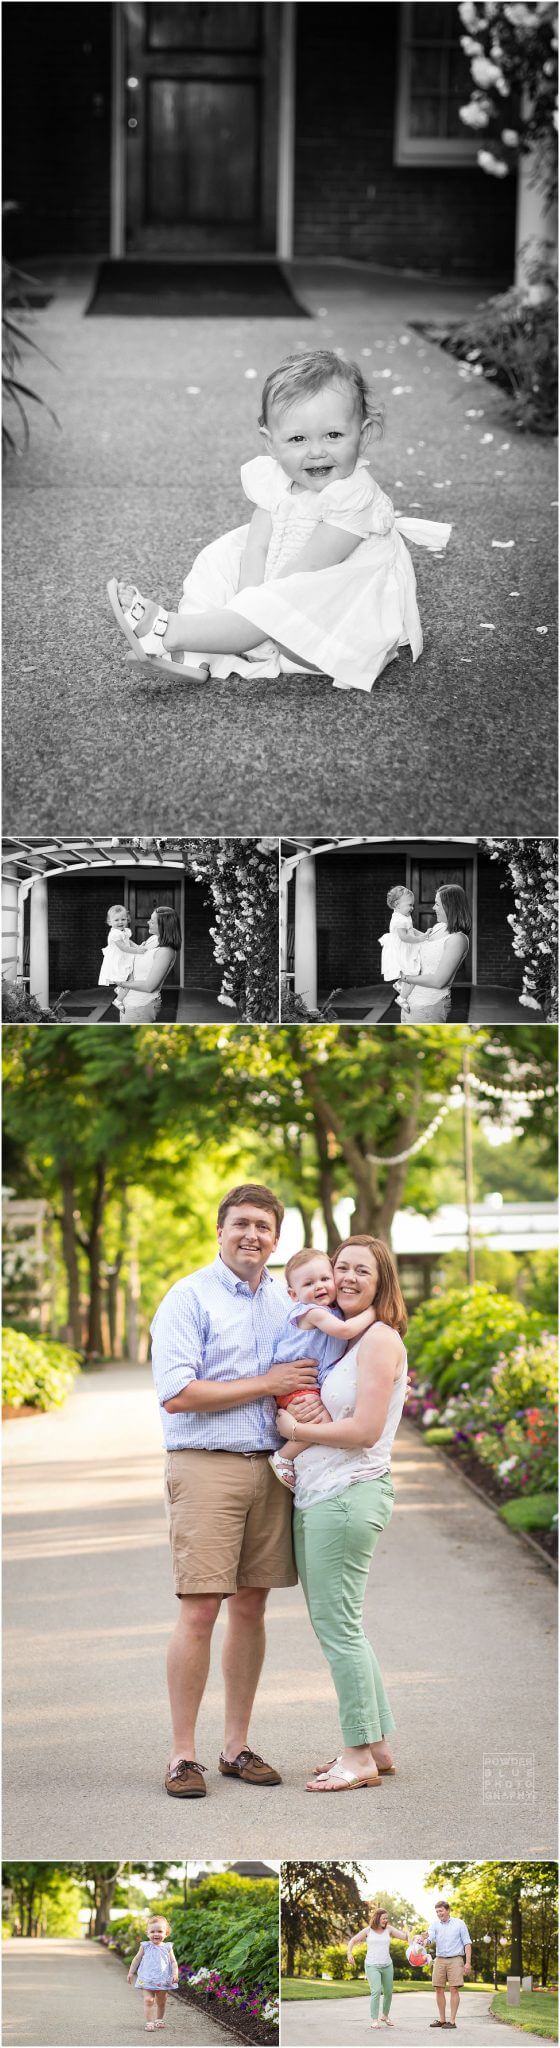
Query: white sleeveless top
378	1947
322	1471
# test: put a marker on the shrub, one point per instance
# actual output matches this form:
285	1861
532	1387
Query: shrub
456	1339
335	1963
533	1511
36	1372
439	1436
514	342
234	1931
19	1007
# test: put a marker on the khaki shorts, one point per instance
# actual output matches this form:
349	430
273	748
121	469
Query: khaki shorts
448	1970
230	1522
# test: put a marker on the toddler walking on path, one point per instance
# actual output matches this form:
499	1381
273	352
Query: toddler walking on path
155	1968
321	578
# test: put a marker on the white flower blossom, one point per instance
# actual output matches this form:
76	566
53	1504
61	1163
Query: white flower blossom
492	164
473	115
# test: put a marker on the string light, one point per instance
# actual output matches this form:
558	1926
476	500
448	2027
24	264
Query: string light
456	1100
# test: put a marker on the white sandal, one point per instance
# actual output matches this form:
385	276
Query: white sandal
148	650
341	1779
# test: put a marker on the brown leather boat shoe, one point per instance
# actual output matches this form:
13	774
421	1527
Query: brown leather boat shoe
185	1781
250	1768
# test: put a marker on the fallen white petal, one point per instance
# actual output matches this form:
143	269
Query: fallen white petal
250	373
515	593
485	626
503	543
484	438
541	629
193	390
473	414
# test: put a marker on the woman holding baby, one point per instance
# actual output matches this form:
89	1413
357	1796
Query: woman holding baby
344	1500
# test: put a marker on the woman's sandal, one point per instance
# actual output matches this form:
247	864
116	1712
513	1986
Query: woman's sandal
342	1780
383	1771
148	650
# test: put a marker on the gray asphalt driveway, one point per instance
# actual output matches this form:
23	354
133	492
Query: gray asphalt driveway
74	1994
344	2022
462	1615
157	416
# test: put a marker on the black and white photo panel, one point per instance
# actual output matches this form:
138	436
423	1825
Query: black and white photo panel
419	931
140	930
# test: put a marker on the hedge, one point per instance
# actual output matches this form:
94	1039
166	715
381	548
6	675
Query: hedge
36	1372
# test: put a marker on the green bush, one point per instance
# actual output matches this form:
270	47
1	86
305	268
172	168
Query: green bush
439	1436
335	1963
235	1931
125	1934
457	1338
533	1511
36	1372
539	1286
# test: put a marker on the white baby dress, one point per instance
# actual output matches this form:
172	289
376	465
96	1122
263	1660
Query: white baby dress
396	958
347	621
117	963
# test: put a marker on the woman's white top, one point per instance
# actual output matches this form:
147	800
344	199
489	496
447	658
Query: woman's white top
118	961
143	1004
320	1471
348	621
432	951
396	957
379	1947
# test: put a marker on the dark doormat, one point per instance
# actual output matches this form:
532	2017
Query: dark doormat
189	291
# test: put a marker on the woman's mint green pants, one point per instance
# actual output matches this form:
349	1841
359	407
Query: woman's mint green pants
380	1979
334	1543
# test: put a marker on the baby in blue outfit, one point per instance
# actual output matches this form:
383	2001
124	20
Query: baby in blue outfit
155	1968
313	1329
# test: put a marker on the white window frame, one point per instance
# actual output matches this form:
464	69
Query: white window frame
423	149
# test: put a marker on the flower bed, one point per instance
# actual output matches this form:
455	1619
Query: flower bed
250	2013
502	1432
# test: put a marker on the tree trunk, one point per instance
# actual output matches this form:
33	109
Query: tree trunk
105	1893
326	1184
30	1905
290	1958
95	1327
70	1254
516	1939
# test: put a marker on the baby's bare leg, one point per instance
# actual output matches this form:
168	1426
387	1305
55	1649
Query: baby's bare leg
220	632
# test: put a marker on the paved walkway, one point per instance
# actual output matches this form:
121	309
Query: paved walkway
463	1616
157	416
343	2022
73	1994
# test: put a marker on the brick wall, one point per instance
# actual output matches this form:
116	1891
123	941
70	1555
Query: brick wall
201	969
57	141
450	218
352	913
497	963
78	927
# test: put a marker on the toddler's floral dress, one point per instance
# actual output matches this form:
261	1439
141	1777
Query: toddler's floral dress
155	1972
347	621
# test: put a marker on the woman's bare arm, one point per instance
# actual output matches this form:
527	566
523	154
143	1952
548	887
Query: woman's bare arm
253	559
158	966
135	1964
356	1940
456	946
378	1356
327	546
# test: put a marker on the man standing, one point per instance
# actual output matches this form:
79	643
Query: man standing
452	1961
229	1519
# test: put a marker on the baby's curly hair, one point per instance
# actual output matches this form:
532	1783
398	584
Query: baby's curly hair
305	373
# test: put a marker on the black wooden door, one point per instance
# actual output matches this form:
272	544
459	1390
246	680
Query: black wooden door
143	897
426	877
201	127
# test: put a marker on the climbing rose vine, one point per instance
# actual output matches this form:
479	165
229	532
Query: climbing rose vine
240	877
513	53
532	869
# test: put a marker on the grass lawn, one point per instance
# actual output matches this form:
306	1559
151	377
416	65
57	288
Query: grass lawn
537	2013
315	1987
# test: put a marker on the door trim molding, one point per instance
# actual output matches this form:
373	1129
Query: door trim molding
118	184
286	132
